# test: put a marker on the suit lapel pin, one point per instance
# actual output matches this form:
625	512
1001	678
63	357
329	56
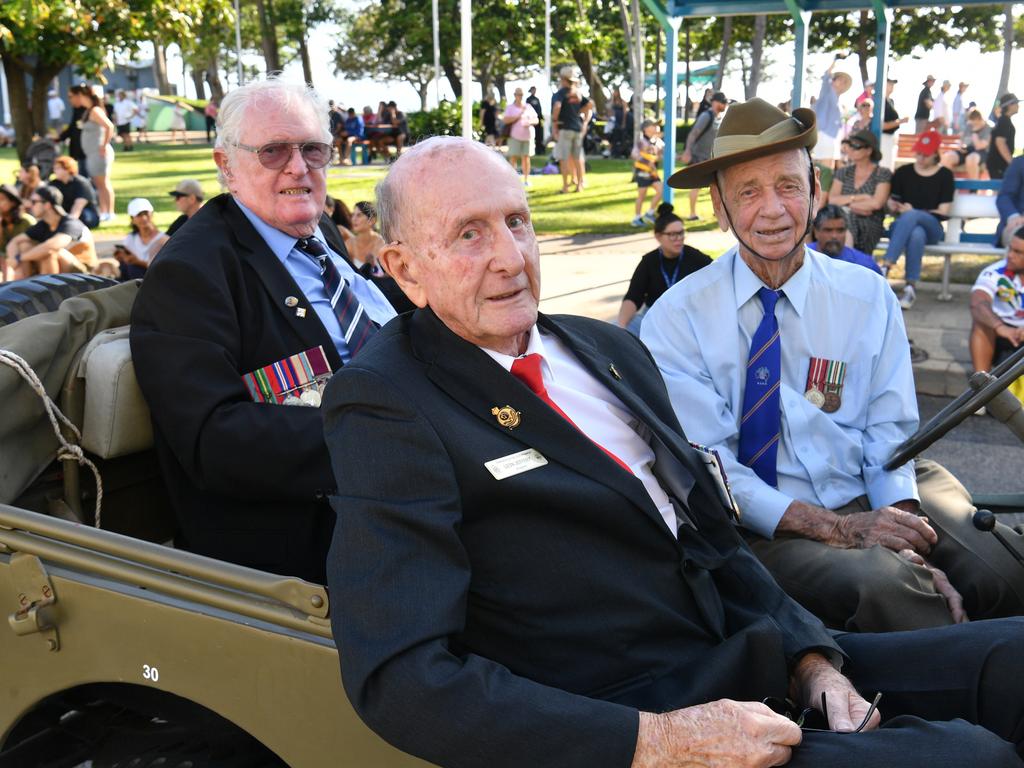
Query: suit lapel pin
300	312
507	416
614	372
290	301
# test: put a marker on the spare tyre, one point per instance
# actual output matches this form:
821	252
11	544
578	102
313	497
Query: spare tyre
44	293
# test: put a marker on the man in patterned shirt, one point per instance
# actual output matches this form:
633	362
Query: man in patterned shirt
997	307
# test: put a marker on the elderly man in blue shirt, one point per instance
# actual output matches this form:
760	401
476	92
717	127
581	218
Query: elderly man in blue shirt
1010	202
795	367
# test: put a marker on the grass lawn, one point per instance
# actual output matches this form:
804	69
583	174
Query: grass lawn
152	170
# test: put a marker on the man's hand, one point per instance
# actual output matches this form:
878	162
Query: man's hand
891	527
1013	335
954	599
721	734
814	675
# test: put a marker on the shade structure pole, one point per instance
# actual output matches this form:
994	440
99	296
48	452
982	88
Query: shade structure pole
671	89
467	70
437	53
238	45
883	23
547	61
801	23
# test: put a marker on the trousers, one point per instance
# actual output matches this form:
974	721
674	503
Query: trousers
876	590
910	233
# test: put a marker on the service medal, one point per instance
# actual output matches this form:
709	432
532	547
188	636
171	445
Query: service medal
311	398
815	397
834	379
507	416
832	402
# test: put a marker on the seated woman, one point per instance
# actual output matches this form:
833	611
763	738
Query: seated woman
140	247
362	240
974	151
922	194
79	195
659	269
29	180
13	218
862	188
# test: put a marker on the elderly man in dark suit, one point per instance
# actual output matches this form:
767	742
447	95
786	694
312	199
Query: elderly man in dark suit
235	330
532	566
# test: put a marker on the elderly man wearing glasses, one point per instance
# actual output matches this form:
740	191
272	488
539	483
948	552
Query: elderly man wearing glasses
235	330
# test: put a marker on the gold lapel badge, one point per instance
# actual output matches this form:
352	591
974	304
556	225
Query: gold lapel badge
507	416
614	372
300	312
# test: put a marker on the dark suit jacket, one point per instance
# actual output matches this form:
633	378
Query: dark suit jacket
523	621
248	481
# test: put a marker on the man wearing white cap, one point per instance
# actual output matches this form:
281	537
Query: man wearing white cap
796	369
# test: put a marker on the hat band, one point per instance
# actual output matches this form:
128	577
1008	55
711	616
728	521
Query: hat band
728	145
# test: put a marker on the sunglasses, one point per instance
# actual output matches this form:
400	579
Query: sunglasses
856	145
277	154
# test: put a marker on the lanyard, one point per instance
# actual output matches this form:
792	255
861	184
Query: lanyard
669	282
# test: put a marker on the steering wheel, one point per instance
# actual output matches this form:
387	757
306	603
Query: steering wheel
1002	376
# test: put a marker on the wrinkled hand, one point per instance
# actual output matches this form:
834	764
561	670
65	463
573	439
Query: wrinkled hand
954	599
893	528
813	676
721	734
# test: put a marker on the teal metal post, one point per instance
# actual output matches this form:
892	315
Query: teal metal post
883	23
801	21
671	86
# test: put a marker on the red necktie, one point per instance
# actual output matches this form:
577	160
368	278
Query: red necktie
527	370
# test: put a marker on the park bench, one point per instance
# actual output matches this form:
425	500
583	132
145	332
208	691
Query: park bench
966	208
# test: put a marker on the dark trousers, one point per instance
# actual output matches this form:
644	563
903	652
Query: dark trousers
538	138
951	696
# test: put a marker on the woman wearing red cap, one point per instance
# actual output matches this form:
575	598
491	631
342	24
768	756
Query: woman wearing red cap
922	194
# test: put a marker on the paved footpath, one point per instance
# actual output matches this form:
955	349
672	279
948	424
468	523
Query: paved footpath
588	275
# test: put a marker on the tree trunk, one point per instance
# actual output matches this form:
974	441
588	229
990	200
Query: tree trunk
756	50
160	68
1004	75
423	89
452	75
723	56
585	62
638	74
198	82
17	93
307	67
268	35
502	86
862	46
213	79
42	76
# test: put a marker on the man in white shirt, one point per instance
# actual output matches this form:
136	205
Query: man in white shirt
55	111
997	307
125	111
940	110
796	369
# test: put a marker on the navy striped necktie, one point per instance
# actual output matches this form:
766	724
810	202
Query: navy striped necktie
356	325
761	425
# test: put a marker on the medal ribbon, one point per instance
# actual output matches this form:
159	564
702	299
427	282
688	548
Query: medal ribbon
816	374
835	376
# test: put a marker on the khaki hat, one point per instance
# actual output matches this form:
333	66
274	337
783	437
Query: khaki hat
750	130
188	187
568	73
844	80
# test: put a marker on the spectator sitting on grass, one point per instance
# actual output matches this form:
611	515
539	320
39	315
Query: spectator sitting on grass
13	219
55	243
79	195
29	180
142	245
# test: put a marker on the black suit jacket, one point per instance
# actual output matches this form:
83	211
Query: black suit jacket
524	621
248	481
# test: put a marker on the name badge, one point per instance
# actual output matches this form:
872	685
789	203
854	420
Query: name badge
515	464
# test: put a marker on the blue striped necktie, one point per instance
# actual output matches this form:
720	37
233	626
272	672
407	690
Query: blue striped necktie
761	425
356	326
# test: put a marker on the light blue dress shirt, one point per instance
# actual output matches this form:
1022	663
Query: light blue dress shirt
699	333
306	274
826	108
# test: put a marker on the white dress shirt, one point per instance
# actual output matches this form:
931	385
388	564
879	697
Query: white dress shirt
306	273
598	413
699	333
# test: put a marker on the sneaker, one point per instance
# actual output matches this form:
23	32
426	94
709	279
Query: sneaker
649	217
637	222
526	183
908	297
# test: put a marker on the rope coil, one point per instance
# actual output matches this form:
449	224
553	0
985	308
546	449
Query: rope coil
67	450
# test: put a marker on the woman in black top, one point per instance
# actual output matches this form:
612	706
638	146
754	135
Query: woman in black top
922	195
660	269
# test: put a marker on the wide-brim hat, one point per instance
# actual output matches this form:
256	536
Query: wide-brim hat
844	79
750	130
866	137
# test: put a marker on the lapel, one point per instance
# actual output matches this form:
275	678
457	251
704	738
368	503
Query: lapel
600	365
278	282
479	384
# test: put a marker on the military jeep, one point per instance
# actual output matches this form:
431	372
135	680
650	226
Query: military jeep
120	649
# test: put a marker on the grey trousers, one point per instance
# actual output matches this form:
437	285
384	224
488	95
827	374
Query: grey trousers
875	590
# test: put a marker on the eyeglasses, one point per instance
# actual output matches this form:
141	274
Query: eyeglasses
811	718
677	234
277	154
